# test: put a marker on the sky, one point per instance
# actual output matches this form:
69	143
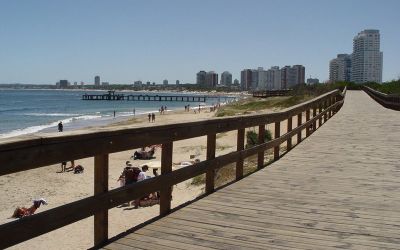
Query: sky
123	41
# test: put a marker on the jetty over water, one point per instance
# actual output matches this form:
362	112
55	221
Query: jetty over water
337	187
112	96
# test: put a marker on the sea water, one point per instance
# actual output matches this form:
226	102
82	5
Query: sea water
30	111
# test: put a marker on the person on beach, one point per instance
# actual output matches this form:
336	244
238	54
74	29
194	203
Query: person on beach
114	113
63	166
153	117
134	111
60	127
141	177
149	115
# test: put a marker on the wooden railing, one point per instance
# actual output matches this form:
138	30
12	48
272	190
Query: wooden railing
388	101
38	151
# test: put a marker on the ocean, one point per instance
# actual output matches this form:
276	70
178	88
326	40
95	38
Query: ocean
29	111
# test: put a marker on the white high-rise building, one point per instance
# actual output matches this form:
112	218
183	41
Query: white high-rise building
367	59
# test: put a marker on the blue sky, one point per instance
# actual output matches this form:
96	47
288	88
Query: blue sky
123	41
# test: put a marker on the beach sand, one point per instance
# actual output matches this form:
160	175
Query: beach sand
61	188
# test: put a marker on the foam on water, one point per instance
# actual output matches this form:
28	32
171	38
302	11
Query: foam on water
34	129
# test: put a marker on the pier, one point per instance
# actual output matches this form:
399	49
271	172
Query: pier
112	96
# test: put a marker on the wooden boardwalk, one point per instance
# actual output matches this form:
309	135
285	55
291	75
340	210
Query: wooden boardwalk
337	189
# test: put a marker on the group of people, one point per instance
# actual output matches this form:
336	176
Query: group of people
187	108
132	175
152	117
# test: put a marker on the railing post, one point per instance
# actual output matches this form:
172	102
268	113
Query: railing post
240	147
166	167
261	138
325	106
100	186
314	114
299	118
210	174
329	104
307	119
277	135
289	128
319	112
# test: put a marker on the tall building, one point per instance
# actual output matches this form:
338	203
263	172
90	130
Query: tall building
367	59
211	79
245	79
299	72
274	81
165	82
226	78
97	80
64	84
340	68
201	77
311	81
291	76
255	78
177	82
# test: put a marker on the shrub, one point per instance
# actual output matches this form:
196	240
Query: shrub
252	138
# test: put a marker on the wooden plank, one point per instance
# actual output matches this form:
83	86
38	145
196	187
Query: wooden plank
100	187
143	242
277	135
239	147
261	139
164	243
289	128
279	227
210	175
166	168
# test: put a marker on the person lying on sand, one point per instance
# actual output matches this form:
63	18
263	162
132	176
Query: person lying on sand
187	163
20	212
143	154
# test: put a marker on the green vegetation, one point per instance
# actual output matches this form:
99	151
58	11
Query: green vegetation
252	138
392	87
199	180
298	95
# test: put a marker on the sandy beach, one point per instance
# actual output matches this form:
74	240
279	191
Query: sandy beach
60	188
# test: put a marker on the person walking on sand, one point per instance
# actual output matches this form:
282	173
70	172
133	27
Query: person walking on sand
114	113
134	111
60	127
153	117
149	115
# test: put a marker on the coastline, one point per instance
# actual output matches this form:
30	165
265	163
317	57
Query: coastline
80	119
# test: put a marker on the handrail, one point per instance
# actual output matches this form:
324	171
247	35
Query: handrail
122	139
388	101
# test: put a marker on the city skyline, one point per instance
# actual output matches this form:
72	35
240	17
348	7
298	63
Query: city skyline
127	41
